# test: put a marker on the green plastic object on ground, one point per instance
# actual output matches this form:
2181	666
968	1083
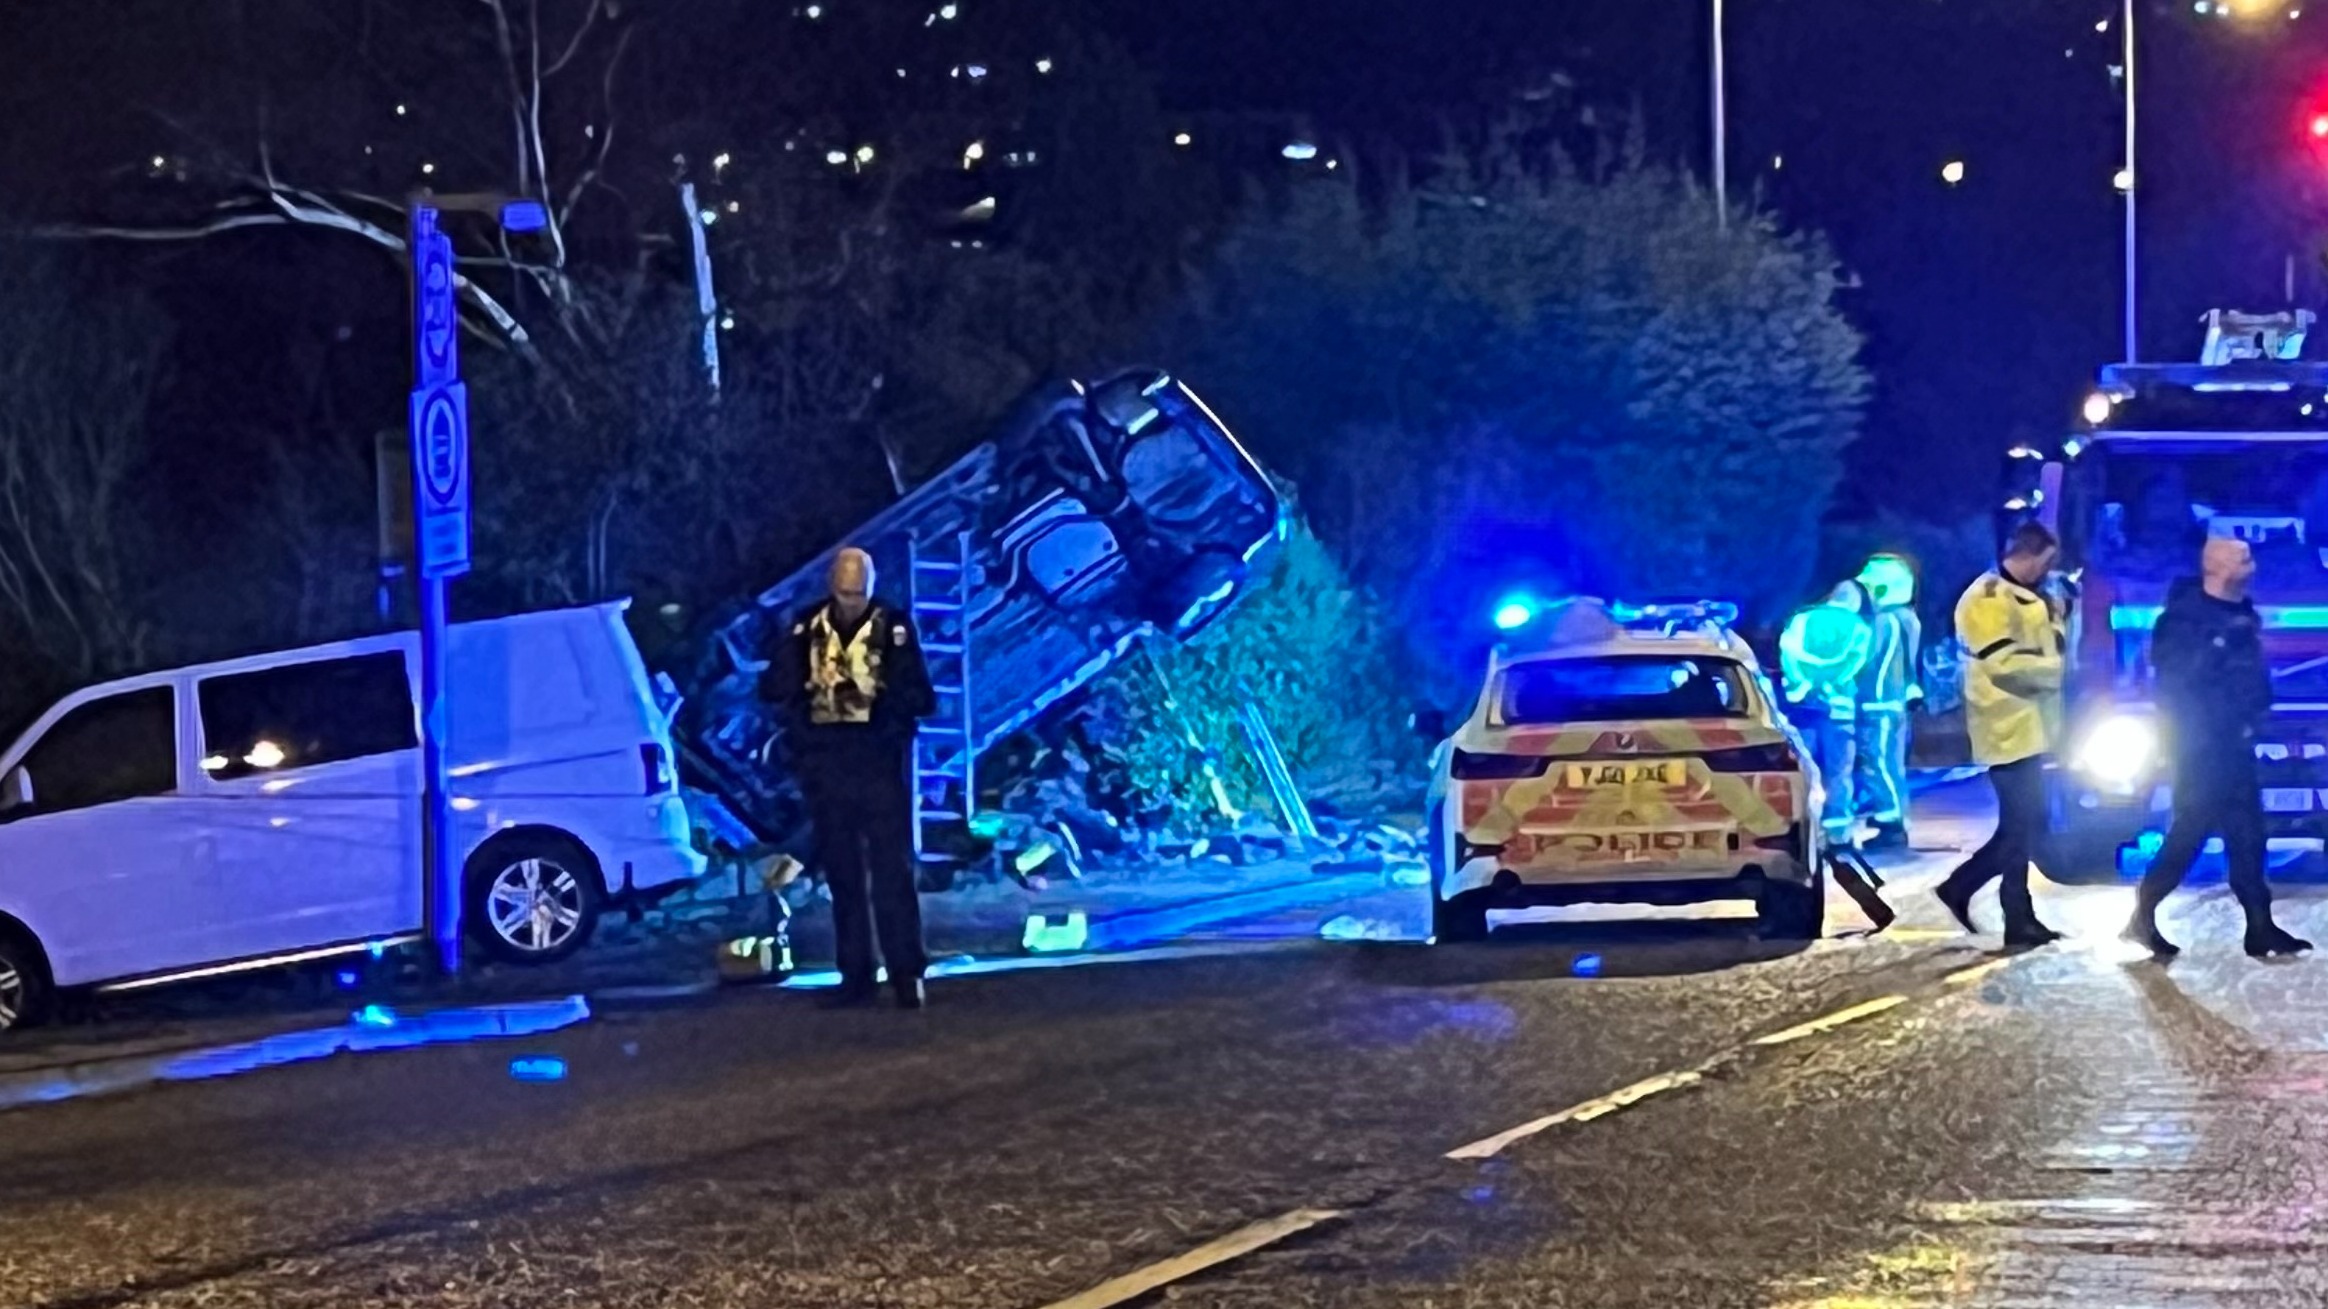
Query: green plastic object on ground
1056	933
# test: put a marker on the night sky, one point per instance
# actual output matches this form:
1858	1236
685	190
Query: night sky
1987	304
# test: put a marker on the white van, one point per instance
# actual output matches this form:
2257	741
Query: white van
267	810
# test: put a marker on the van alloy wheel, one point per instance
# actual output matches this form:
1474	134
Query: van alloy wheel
536	905
15	994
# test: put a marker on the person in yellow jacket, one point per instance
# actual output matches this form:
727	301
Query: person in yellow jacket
2014	640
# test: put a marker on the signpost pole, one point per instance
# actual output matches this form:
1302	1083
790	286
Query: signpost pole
440	511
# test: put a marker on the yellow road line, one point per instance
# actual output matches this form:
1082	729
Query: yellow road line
1596	1107
1967	976
1236	1245
1832	1021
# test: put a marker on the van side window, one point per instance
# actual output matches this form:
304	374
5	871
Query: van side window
301	715
119	748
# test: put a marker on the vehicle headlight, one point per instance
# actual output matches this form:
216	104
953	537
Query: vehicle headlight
2117	751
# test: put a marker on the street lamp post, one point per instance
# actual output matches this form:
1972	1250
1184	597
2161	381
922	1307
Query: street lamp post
2132	180
1722	127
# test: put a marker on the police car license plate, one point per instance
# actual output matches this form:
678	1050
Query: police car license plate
2287	799
1657	772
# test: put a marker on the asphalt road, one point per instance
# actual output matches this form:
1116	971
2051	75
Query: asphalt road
1035	1135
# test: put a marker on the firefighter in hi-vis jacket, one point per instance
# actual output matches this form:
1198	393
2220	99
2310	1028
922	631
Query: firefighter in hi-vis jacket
1821	655
1888	690
856	685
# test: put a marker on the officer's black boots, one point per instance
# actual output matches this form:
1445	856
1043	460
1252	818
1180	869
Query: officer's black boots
2268	938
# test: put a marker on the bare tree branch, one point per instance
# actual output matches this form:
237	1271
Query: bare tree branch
574	47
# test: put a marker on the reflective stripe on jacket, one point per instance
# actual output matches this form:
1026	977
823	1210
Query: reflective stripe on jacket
1889	680
2013	673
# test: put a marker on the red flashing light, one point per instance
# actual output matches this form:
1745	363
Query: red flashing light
2320	127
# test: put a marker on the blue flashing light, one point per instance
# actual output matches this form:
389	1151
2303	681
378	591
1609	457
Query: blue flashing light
348	979
1514	614
1586	965
524	216
2141	618
374	1015
538	1068
378	949
2150	842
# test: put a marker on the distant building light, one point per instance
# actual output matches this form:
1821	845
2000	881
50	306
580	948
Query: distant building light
864	154
2102	26
1777	163
814	12
949	12
981	212
2098	407
977	71
1183	140
722	159
708	216
1300	150
727	322
1333	164
1952	172
2123	179
427	168
1043	65
400	111
836	157
973	152
735	206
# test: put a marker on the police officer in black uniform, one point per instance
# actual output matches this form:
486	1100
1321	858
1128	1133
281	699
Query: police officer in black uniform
855	682
2214	684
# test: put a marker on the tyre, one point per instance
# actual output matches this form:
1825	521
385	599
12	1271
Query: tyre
1785	912
24	984
534	897
1463	918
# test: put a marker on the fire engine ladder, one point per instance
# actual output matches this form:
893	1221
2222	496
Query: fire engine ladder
945	754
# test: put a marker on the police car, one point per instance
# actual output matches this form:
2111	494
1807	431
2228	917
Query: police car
1631	756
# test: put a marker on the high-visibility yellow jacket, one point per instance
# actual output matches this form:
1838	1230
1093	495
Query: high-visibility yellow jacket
2013	643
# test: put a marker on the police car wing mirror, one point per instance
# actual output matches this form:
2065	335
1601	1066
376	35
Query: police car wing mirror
1429	724
15	791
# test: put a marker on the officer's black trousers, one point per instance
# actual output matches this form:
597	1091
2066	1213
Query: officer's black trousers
861	804
2020	788
2216	793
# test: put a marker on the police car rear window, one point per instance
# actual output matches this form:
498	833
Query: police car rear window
1622	687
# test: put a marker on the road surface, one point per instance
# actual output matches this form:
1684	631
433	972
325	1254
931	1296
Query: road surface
1658	1113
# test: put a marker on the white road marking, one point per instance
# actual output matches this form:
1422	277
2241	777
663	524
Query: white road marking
1596	1107
1832	1021
1236	1245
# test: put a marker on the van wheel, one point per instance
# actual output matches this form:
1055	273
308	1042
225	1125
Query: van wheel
534	897
24	985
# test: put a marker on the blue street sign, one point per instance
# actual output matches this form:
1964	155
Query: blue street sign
437	320
440	480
